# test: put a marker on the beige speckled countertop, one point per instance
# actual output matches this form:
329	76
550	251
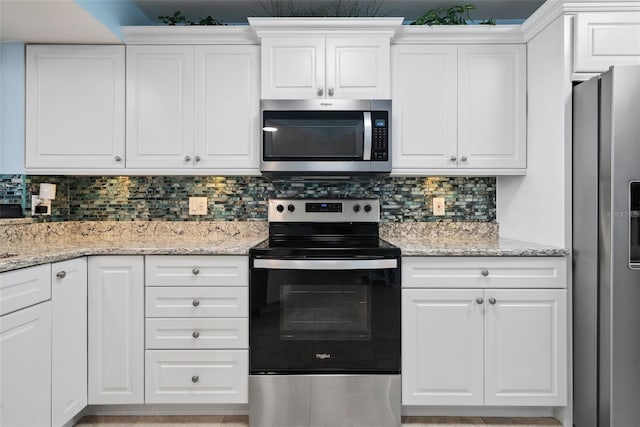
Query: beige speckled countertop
39	243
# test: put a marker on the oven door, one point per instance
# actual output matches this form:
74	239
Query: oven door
325	316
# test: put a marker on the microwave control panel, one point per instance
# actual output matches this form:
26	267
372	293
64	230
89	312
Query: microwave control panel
380	146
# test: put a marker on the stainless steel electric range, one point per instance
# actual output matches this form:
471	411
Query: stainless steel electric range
325	318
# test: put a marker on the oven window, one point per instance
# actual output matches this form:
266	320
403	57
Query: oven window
324	321
325	312
314	135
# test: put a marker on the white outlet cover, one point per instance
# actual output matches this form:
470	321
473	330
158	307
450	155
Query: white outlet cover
438	206
197	205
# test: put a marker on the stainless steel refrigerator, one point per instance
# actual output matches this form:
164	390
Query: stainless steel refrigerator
606	249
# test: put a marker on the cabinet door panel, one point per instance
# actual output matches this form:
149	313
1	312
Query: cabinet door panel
227	94
525	350
159	106
442	347
75	107
358	68
492	106
293	68
25	367
69	339
116	329
603	39
425	106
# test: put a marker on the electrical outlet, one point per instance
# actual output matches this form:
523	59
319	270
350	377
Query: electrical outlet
40	206
438	206
197	205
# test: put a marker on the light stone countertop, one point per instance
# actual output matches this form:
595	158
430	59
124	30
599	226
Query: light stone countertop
33	244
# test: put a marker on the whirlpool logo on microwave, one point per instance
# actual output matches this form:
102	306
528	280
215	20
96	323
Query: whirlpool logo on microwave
323	356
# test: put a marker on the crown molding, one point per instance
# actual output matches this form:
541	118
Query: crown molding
458	34
194	34
553	9
275	27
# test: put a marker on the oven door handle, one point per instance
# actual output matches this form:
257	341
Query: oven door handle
325	264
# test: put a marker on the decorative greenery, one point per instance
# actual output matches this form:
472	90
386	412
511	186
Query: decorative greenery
337	8
179	19
455	15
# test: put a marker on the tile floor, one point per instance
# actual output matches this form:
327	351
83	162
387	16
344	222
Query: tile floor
242	421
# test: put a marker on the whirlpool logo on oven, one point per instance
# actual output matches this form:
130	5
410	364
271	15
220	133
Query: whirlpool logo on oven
323	356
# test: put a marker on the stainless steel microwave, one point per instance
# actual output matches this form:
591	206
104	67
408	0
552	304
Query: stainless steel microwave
325	137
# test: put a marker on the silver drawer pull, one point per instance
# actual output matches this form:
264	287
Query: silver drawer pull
195	334
195	271
61	274
485	273
195	303
492	301
479	300
195	379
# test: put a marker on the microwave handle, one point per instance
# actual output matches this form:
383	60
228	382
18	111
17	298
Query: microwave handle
366	155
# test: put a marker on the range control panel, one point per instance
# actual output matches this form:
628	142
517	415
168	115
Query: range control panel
324	210
380	146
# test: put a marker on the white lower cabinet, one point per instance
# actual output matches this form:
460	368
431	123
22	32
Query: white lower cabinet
197	329
69	339
116	329
25	367
478	346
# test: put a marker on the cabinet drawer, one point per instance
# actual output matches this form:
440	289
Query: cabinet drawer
197	302
164	270
196	376
24	287
484	272
197	333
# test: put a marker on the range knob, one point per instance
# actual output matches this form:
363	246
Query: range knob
367	208
280	208
291	208
356	208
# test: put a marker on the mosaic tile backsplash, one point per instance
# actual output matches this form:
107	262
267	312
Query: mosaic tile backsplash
166	198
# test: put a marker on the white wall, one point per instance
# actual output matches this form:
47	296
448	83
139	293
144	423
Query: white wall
535	207
11	108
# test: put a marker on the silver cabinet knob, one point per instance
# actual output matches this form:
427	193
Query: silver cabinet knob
195	379
187	158
61	274
195	271
454	158
485	273
117	158
197	159
463	158
195	334
492	301
320	91
479	300
330	91
195	303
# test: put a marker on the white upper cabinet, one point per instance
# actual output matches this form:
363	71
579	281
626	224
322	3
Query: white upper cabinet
425	106
492	104
332	67
311	58
227	108
75	98
159	106
193	107
459	109
603	39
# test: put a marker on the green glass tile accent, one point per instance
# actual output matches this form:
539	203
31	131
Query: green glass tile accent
238	198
